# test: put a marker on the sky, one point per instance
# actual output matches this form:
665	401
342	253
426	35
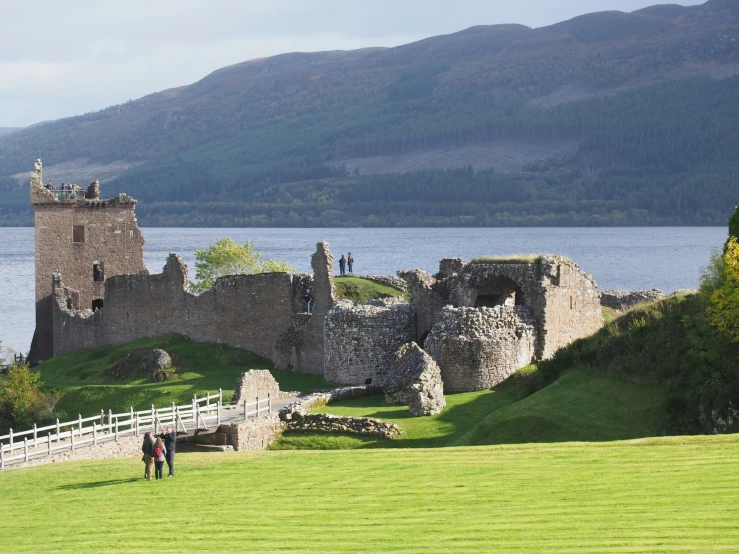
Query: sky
64	58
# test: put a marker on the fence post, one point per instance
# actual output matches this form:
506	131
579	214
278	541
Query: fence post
49	437
35	435
25	449
95	433
220	395
71	436
194	410
136	424
110	422
11	440
130	413
57	429
116	429
218	413
257	407
207	403
269	402
174	421
79	421
2	456
102	417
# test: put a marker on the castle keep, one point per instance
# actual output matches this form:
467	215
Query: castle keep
84	238
479	321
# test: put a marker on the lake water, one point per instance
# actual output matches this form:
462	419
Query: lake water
667	258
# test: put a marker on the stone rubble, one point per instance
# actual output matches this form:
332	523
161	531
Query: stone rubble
157	360
624	300
415	380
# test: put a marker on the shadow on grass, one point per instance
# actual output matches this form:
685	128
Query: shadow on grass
97	484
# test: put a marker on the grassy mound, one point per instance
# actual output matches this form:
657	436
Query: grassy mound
361	290
106	378
577	407
667	344
652	495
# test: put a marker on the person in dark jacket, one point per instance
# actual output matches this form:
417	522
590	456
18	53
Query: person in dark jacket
342	265
148	449
170	440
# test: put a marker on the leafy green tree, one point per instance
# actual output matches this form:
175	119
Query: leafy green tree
723	302
23	402
226	257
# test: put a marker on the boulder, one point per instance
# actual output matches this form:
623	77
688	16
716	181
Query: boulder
156	361
415	380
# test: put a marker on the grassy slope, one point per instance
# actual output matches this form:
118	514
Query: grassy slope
654	495
361	290
576	407
87	386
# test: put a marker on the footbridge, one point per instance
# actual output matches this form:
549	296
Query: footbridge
200	415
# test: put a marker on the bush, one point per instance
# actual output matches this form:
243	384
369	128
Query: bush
22	400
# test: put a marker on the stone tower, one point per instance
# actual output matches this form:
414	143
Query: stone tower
83	239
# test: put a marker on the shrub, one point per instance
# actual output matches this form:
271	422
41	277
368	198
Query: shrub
22	400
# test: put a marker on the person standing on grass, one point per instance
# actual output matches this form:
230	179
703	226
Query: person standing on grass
148	458
159	453
342	265
350	262
170	441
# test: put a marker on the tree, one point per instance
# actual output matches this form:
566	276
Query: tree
723	300
226	257
22	400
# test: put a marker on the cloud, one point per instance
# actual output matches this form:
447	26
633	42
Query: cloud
59	59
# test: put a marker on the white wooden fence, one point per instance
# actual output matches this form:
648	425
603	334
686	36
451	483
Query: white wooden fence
90	431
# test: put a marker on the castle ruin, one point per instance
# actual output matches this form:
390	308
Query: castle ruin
480	321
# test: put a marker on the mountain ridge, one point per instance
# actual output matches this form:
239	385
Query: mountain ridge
300	117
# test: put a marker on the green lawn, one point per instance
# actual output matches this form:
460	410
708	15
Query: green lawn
361	290
578	406
86	377
677	494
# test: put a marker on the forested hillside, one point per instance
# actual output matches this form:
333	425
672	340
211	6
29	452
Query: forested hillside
648	101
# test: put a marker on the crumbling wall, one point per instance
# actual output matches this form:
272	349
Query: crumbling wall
255	383
563	301
256	433
623	300
478	348
255	312
360	340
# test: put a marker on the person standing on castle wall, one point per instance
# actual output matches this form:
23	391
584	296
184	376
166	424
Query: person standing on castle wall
170	442
148	458
350	262
342	265
309	299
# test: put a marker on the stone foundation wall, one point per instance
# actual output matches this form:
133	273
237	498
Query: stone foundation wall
255	383
360	340
327	423
124	447
623	300
476	349
256	434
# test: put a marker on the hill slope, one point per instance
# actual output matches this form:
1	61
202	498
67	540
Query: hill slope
284	140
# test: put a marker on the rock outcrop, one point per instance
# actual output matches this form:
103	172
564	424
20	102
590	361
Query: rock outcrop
415	380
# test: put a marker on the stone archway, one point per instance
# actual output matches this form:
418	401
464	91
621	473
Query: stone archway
499	291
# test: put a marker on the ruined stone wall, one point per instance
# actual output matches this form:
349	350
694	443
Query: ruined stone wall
255	312
478	348
570	306
257	433
563	301
361	340
255	383
623	300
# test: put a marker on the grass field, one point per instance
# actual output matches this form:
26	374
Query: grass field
677	494
361	290
578	406
106	378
